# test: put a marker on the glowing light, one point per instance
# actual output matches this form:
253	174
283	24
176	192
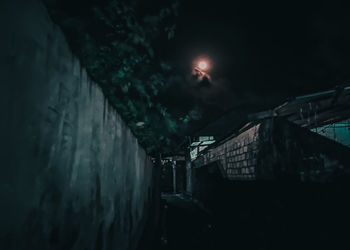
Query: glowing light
202	65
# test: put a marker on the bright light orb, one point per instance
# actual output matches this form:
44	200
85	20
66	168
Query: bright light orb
202	65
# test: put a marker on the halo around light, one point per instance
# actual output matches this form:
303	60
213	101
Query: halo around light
203	65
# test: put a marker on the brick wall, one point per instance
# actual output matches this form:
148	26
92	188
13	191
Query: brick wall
276	149
238	155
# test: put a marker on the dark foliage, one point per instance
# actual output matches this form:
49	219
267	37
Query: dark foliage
116	41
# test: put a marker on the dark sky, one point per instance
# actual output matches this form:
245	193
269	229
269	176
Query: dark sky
267	39
262	52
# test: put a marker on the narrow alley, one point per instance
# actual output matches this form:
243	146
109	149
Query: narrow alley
174	125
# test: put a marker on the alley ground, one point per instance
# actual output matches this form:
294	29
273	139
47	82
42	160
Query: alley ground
316	220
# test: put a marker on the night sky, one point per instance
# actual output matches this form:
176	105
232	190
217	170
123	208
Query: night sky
262	53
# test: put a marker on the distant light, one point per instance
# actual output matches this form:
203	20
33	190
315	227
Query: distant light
140	124
202	65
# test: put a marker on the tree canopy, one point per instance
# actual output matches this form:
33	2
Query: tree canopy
116	41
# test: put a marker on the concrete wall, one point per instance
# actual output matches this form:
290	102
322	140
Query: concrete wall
297	153
72	174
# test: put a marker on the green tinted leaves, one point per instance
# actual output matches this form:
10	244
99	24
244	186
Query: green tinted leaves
118	49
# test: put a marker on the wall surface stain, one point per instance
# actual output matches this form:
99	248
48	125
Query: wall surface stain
72	174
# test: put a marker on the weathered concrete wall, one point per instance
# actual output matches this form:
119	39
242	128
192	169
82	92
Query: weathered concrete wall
72	174
297	153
